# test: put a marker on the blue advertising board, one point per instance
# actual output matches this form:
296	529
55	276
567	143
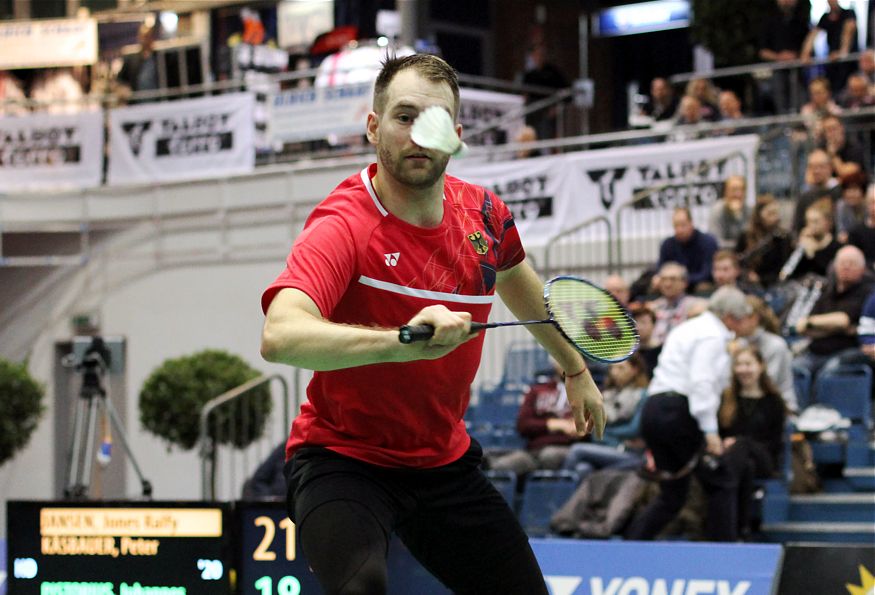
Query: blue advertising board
574	567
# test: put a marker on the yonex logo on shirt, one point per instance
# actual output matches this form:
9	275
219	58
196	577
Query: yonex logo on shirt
392	258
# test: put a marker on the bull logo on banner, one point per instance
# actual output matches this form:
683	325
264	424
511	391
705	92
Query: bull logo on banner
605	179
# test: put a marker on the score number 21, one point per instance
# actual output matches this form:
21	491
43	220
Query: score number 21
287	585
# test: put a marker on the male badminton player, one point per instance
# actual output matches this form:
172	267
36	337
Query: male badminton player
380	446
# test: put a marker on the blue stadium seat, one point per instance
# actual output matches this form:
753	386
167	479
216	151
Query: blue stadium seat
848	389
802	386
544	493
522	361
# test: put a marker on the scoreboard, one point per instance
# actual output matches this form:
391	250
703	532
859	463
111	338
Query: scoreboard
118	548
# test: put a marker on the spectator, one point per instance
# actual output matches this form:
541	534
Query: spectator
704	90
867	68
617	287
526	134
645	321
851	210
857	94
625	386
726	271
831	325
751	418
690	247
545	421
846	157
781	38
663	103
673	306
543	73
863	235
840	26
819	183
679	420
765	245
140	71
819	106
730	106
689	113
729	215
13	102
760	331
816	246
57	92
268	482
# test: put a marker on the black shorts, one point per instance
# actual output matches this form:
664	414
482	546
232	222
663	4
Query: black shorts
451	519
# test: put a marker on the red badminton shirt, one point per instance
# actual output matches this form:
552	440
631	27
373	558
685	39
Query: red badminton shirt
362	265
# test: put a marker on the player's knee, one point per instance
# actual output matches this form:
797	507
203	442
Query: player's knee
369	579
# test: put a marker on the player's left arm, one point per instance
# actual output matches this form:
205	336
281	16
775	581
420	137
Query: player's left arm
522	291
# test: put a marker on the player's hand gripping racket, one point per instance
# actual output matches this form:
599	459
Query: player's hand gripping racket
589	317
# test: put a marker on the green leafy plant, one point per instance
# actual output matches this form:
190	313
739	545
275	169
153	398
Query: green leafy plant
21	406
174	394
730	30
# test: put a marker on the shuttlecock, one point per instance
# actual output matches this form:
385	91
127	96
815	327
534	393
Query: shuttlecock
434	129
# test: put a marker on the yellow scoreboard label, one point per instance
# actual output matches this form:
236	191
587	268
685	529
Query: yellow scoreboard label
128	522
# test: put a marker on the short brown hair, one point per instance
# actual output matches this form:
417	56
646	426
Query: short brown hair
430	67
726	254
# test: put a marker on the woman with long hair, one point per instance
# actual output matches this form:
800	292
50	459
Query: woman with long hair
765	246
751	419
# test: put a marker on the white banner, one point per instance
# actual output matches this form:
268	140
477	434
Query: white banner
41	151
50	42
342	110
551	194
182	140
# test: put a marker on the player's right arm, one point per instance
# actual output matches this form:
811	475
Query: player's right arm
295	333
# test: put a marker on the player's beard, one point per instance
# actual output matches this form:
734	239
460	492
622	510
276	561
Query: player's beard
414	177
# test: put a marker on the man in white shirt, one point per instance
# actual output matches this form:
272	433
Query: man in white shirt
679	421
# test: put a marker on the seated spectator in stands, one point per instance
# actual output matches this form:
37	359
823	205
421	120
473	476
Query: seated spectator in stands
624	388
727	271
13	101
781	37
840	26
867	68
690	247
816	244
57	92
751	419
846	156
819	182
526	134
617	287
689	113
704	90
730	106
819	106
545	421
729	215
140	71
645	321
863	235
851	209
673	306
858	94
761	331
268	481
831	326
663	103
765	245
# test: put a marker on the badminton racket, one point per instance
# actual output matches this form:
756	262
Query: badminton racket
587	316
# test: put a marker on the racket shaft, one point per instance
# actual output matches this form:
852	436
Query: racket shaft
424	332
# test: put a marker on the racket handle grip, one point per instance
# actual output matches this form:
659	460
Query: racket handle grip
423	332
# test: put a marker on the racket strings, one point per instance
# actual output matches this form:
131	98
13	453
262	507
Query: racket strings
592	319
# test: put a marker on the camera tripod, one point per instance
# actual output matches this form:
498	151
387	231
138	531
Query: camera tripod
92	401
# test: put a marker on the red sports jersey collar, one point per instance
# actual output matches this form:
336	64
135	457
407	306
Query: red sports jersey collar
369	186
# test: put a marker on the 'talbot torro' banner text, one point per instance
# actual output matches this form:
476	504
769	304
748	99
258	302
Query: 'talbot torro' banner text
549	195
41	151
182	140
342	110
48	42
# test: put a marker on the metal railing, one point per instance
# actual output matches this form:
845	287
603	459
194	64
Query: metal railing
563	252
208	449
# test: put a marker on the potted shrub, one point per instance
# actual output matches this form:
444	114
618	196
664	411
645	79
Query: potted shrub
21	406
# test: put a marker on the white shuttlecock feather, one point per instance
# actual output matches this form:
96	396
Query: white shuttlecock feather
434	129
